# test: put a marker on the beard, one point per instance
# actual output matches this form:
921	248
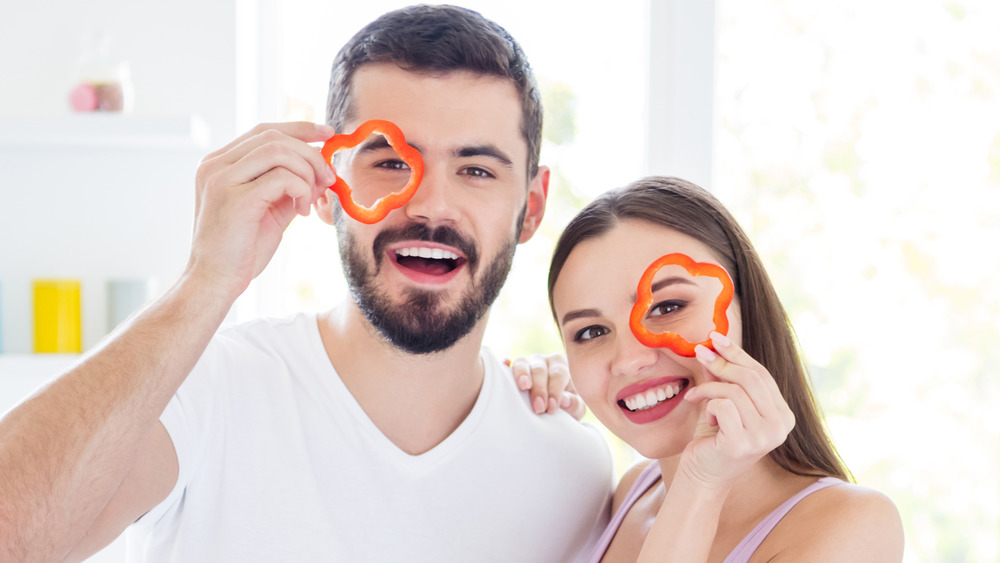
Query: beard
423	323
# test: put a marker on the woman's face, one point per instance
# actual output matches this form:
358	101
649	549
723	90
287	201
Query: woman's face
637	392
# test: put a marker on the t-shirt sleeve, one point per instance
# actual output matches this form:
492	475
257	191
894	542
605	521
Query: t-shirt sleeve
190	420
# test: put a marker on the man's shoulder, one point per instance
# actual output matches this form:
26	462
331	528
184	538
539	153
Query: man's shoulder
261	341
266	328
555	432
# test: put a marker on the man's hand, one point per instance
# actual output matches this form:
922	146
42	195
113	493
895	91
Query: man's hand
547	377
246	195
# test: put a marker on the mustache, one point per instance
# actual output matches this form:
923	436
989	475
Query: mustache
416	231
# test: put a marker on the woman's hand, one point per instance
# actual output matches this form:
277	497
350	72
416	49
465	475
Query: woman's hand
547	378
743	415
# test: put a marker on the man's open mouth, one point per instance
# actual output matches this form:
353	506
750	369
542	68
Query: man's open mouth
427	260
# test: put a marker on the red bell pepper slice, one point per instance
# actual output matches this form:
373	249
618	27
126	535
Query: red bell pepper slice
644	298
385	204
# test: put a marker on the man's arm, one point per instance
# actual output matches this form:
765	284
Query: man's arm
87	455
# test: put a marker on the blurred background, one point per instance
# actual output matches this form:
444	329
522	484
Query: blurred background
858	141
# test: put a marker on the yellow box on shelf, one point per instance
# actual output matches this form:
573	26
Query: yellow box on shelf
57	316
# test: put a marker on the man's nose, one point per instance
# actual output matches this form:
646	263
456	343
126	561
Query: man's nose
434	201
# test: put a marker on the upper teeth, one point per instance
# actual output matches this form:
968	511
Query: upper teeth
424	252
652	397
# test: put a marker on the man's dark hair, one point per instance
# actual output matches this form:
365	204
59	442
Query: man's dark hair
439	39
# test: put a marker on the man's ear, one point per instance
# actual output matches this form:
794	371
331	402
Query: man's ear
324	206
538	194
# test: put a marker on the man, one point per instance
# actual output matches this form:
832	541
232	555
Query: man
377	431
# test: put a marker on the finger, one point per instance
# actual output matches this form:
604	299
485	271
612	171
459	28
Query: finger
738	356
268	158
519	370
737	438
751	417
558	380
574	405
280	183
539	373
295	156
765	429
756	380
304	131
276	145
278	189
727	417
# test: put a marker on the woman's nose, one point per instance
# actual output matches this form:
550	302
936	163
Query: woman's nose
631	356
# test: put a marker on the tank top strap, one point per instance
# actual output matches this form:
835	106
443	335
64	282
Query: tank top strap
750	543
649	476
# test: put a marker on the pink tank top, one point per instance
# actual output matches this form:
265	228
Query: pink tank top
746	547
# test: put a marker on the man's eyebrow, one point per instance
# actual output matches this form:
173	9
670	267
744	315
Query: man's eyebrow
490	151
579	314
378	142
374	143
672	280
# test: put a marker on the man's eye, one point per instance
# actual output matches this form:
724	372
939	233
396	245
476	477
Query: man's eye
665	308
590	333
392	165
477	172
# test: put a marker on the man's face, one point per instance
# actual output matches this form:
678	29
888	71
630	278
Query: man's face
427	274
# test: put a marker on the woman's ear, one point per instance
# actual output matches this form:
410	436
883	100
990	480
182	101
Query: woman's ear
538	193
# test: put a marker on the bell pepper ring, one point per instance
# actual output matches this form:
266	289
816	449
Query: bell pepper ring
644	298
385	204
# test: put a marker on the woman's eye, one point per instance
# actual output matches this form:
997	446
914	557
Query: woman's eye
665	308
589	333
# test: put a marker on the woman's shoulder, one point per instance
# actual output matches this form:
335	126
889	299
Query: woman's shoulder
845	522
628	481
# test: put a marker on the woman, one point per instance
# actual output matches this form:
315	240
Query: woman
735	437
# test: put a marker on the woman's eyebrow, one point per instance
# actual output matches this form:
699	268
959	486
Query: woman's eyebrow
672	280
578	314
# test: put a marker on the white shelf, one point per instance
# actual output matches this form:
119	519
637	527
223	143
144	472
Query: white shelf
103	130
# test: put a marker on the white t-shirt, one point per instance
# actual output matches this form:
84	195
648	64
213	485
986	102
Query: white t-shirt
278	462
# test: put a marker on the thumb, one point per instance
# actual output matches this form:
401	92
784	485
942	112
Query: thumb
708	425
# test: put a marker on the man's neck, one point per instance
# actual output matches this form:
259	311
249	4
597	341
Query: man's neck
415	400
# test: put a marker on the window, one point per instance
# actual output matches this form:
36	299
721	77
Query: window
859	142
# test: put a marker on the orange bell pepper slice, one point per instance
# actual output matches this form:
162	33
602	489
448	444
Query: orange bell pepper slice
644	298
385	204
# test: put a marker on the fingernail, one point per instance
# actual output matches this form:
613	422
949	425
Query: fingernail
565	402
719	340
704	354
524	382
553	405
325	129
539	405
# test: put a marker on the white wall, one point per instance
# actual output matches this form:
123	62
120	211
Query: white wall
93	207
182	53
